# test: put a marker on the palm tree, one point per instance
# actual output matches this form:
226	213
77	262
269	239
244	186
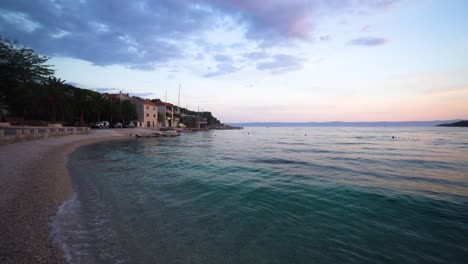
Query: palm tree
56	94
82	103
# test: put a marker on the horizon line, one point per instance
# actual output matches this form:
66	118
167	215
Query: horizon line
305	122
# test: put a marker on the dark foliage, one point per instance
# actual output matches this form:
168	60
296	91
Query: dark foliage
29	91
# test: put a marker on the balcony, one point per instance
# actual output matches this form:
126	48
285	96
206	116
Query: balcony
201	120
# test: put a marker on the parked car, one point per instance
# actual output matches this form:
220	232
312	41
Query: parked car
129	125
97	125
105	124
101	124
117	125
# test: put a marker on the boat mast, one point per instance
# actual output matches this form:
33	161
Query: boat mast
178	99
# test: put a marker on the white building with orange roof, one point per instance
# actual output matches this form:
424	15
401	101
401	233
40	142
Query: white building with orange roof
147	112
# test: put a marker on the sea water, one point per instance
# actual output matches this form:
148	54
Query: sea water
271	195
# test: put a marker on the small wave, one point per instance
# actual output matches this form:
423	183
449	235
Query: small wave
292	143
313	150
83	239
352	143
279	161
61	225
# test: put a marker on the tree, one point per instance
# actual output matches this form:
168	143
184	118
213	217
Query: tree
20	69
128	111
29	90
189	121
82	103
56	94
211	120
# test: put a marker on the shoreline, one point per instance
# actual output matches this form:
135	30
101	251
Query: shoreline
34	183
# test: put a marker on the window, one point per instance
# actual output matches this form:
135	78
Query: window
147	115
154	108
147	107
154	115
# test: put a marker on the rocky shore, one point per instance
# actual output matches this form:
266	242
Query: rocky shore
150	133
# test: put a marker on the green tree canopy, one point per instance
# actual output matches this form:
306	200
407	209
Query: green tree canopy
20	68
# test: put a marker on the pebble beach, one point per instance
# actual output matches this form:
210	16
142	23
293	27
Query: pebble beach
34	182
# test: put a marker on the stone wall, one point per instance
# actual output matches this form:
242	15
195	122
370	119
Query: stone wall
14	134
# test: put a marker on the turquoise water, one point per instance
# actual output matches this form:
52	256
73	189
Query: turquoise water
271	195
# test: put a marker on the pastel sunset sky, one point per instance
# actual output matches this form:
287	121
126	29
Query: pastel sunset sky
260	60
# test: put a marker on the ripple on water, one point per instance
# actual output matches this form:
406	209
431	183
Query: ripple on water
345	195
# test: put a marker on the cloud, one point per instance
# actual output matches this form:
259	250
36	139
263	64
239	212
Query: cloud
368	41
369	6
199	56
366	28
142	95
105	90
383	4
74	84
256	55
144	34
282	63
325	38
223	58
19	20
222	69
271	20
107	32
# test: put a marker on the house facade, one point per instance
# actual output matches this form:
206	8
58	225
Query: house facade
147	112
194	121
169	114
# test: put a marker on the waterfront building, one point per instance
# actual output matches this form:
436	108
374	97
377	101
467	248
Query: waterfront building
194	121
168	113
147	112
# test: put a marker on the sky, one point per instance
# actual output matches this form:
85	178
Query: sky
260	60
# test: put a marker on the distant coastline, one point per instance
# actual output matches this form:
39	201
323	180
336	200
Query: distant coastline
463	123
347	124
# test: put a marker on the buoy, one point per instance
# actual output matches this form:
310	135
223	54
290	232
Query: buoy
393	137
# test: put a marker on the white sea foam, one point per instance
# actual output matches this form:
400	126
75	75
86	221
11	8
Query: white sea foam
65	225
85	239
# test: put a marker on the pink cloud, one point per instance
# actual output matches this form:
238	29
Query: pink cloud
273	20
272	17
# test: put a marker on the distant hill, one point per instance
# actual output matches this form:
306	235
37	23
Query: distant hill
463	123
346	124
